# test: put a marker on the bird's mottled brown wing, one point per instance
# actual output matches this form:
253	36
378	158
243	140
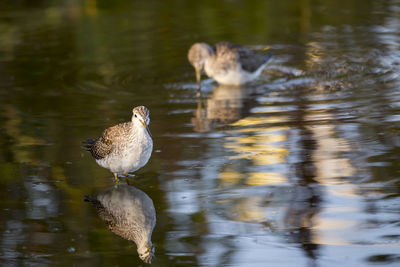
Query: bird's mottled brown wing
104	145
249	60
101	148
226	56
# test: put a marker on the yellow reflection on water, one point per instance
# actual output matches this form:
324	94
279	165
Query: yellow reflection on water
331	165
12	126
261	145
269	129
328	158
260	148
249	209
274	157
251	121
261	138
266	178
328	229
230	177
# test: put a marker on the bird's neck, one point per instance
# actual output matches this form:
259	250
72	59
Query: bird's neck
140	132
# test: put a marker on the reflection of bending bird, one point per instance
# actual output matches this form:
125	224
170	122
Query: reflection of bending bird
227	104
129	213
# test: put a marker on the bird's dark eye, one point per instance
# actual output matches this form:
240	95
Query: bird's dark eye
135	116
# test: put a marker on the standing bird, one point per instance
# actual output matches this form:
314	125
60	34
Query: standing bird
227	63
125	147
129	213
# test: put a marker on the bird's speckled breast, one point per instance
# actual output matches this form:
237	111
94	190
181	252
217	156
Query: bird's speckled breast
131	155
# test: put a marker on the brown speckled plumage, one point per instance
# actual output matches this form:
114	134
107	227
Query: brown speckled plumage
124	147
226	62
129	213
228	55
104	145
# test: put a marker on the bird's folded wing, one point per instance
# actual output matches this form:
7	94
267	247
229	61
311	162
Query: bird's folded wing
226	56
103	145
251	61
231	54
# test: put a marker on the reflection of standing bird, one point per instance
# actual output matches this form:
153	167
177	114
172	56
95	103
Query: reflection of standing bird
129	213
125	147
227	63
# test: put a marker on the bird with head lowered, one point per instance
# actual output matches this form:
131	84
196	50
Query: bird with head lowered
227	63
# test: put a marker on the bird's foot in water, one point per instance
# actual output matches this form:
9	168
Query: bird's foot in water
126	177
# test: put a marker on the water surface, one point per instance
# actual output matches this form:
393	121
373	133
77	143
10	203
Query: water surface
300	168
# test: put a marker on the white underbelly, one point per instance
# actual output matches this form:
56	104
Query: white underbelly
231	77
236	76
128	160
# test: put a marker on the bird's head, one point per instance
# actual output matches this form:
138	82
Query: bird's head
141	115
146	253
198	55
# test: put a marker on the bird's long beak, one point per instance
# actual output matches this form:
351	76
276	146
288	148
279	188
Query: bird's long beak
198	77
147	128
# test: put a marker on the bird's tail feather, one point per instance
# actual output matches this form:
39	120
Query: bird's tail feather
268	57
91	199
87	145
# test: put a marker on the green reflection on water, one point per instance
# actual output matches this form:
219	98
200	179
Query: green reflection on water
68	70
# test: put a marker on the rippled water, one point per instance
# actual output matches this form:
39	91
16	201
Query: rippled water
300	168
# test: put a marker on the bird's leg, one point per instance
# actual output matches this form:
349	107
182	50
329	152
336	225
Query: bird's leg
199	98
115	178
198	77
126	177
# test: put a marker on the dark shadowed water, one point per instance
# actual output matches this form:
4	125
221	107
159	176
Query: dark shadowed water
301	168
